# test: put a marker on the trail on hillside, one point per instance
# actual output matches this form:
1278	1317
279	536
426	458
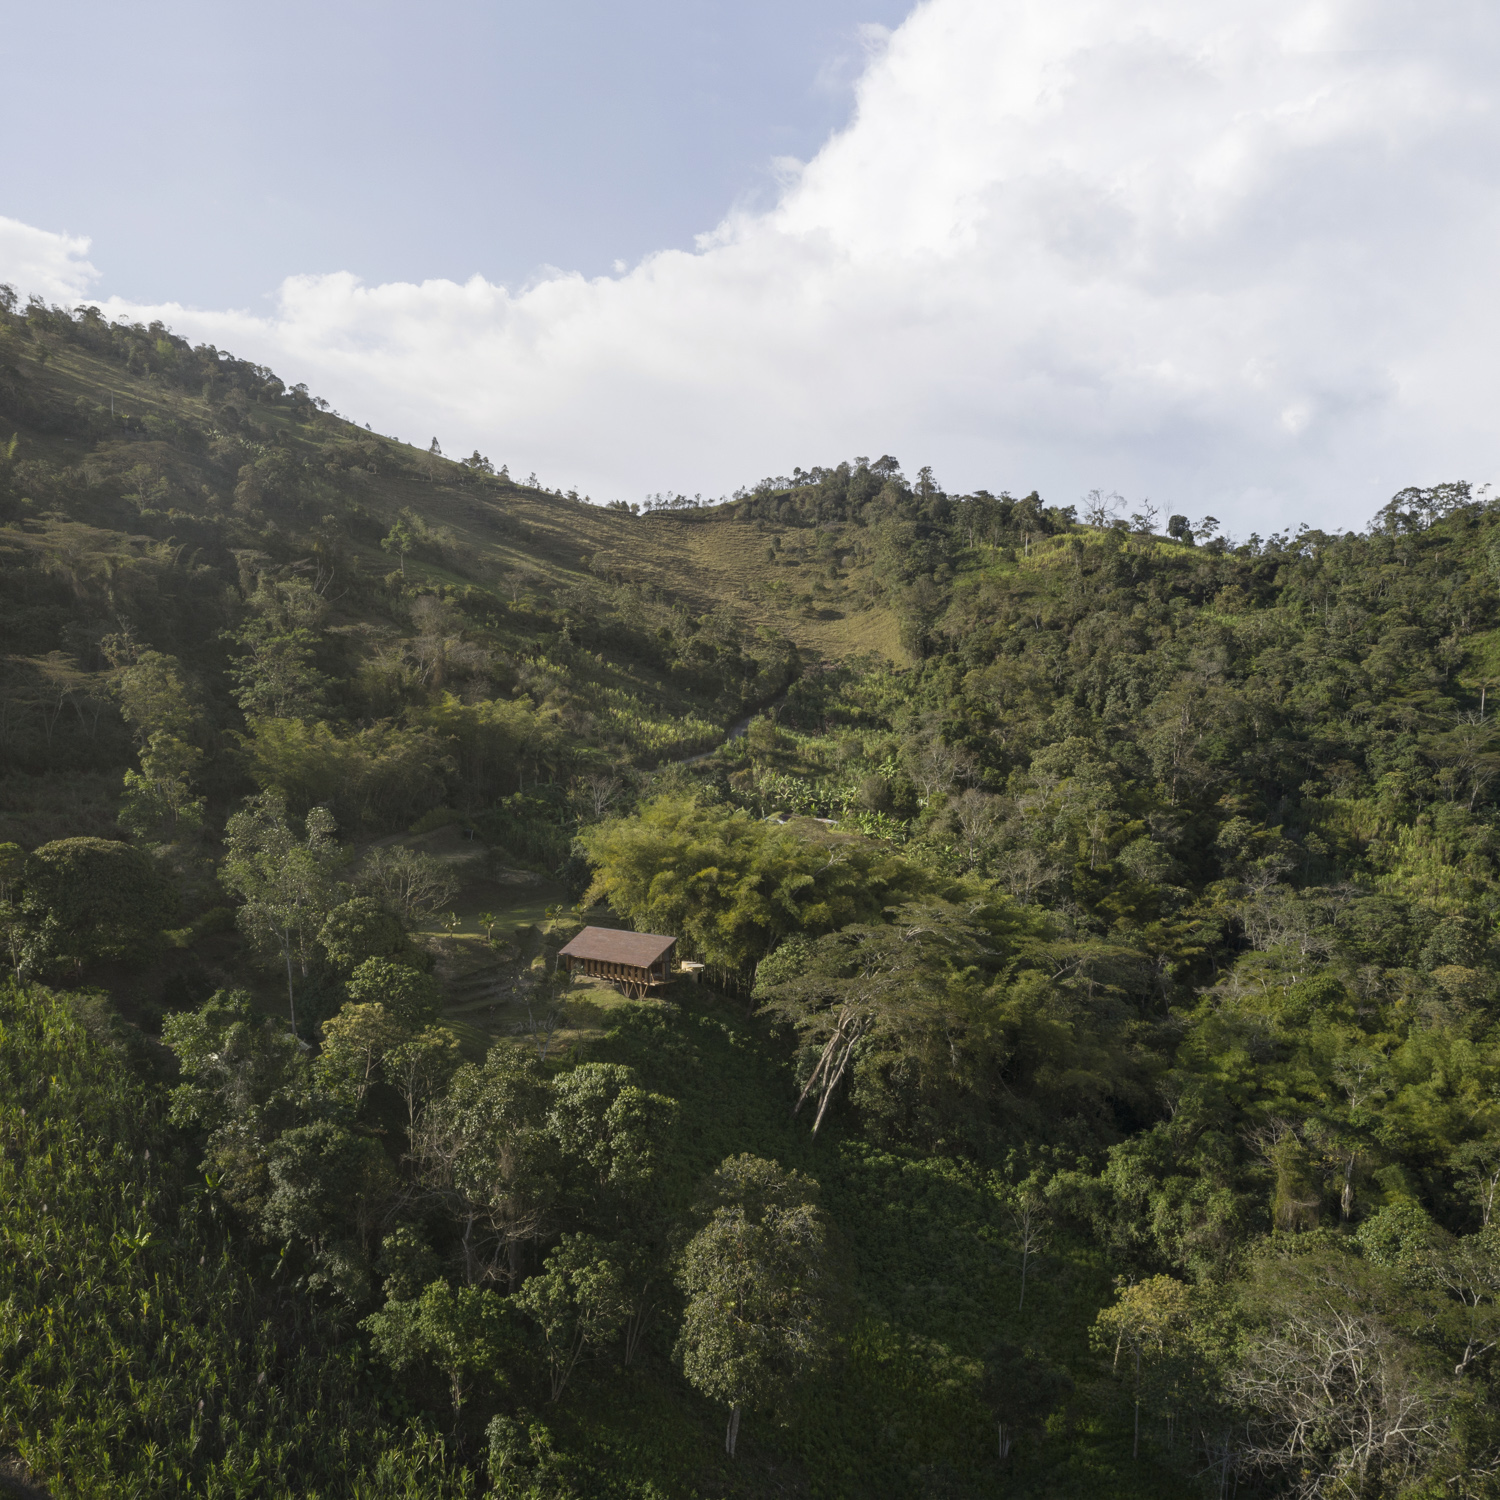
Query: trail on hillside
737	730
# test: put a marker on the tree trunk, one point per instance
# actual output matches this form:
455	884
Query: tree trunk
851	1039
635	1328
733	1433
468	1245
291	999
832	1083
1135	1447
823	1063
562	1370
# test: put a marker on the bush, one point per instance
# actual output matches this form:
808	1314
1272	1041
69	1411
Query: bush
91	899
359	929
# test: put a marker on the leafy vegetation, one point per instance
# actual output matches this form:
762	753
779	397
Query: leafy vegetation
1091	1086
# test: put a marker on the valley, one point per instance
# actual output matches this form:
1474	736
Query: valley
1087	1079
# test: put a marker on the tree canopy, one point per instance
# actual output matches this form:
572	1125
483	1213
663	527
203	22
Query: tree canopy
1090	1088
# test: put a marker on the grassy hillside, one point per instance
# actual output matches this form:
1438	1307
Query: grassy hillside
162	437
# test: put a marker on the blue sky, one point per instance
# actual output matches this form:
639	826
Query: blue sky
210	150
1233	258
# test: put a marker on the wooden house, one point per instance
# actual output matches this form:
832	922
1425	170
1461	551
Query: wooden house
632	961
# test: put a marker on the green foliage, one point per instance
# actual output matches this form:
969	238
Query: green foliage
379	776
579	1300
276	679
461	1334
867	991
1399	1237
407	1264
733	887
408	994
756	1279
483	1146
1021	1391
616	1132
419	1068
159	801
117	1279
285	883
356	1042
327	1189
231	1059
12	867
1136	929
358	930
155	697
398	541
531	829
88	899
244	1080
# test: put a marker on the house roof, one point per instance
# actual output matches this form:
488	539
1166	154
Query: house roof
638	950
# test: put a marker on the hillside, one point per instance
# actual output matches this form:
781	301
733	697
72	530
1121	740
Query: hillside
199	451
1092	1085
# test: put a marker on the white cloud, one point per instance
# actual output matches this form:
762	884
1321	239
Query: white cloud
1236	257
38	263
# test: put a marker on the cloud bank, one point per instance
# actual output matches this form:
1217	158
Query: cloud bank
1235	257
43	264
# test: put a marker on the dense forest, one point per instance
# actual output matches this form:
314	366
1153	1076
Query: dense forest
1091	1084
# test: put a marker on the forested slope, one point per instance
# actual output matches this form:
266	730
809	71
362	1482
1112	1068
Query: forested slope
1094	1086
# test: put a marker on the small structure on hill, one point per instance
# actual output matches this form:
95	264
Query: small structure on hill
632	961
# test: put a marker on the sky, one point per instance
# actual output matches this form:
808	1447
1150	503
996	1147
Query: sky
208	151
1233	258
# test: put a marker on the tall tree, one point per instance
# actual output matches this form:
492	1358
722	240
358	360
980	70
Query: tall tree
579	1300
757	1283
399	540
286	883
484	1151
894	977
459	1332
159	797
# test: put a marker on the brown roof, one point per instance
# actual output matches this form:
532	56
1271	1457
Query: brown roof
638	950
